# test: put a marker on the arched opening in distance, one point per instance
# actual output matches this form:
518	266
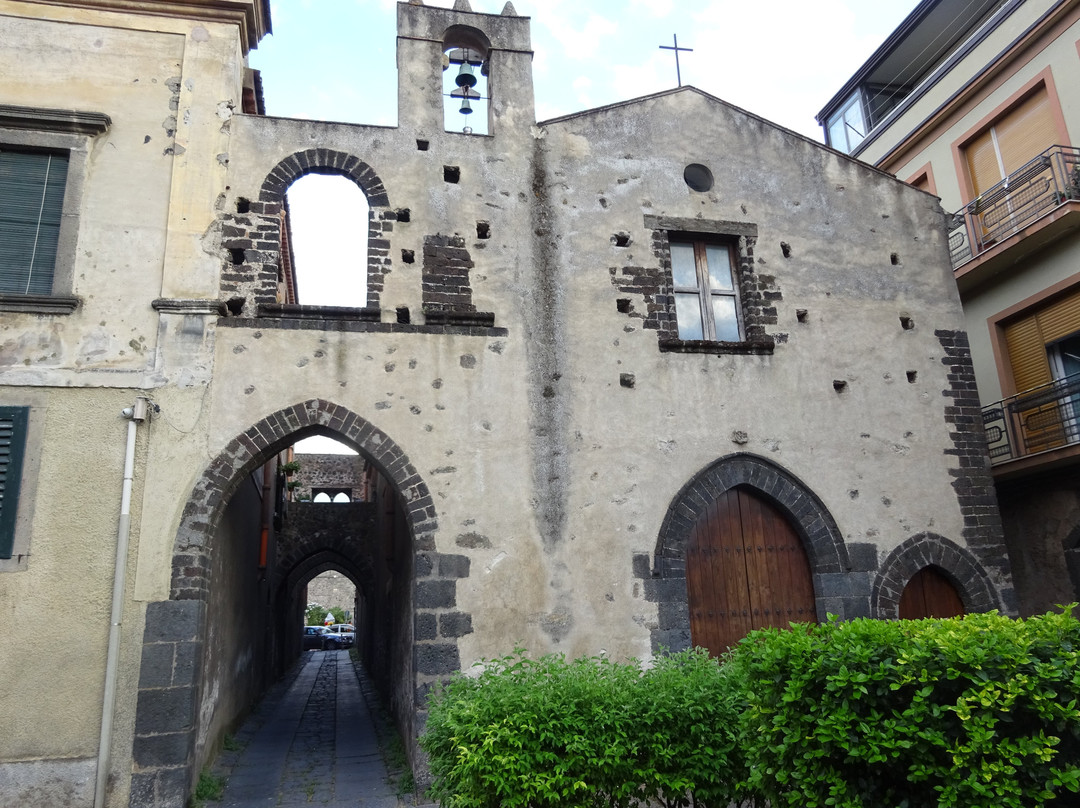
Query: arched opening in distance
325	214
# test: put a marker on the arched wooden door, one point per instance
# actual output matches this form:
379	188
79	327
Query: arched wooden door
930	594
746	568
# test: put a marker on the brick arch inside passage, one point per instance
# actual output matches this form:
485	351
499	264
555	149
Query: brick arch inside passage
788	499
957	564
175	634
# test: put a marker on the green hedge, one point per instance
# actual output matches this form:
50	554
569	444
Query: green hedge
979	711
590	732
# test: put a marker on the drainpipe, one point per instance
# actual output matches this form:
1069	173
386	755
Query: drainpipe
135	415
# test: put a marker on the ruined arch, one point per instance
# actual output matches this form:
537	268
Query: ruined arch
175	630
957	564
339	163
828	556
323	161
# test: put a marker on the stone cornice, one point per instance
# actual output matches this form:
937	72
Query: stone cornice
40	304
172	305
54	120
252	16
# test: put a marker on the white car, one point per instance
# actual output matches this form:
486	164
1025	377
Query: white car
340	635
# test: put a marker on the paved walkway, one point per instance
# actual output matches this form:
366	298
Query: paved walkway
317	739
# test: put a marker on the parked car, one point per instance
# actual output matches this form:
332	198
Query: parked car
314	637
340	635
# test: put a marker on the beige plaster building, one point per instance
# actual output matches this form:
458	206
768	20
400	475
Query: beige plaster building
649	375
977	103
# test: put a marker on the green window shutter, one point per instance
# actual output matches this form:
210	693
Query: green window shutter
13	423
31	203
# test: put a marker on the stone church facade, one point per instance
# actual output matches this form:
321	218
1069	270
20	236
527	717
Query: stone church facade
593	349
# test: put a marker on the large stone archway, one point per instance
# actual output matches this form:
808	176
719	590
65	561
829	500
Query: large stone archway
174	640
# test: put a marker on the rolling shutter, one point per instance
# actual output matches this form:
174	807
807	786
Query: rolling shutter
31	203
1011	141
13	422
1027	339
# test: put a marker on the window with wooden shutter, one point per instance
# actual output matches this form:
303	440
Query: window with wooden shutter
1027	338
1041	420
32	188
13	423
1020	135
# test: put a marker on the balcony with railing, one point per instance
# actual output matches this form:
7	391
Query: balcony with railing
1040	421
1044	191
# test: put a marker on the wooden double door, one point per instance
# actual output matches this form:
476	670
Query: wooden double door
746	568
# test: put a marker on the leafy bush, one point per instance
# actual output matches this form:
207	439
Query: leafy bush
315	614
979	711
590	732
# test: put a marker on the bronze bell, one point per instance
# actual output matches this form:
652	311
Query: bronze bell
466	77
466	107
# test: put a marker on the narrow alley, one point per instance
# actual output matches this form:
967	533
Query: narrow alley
318	738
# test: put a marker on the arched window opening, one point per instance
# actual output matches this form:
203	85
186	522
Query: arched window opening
325	214
930	594
465	90
329	472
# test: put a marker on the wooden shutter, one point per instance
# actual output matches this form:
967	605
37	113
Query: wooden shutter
1026	131
930	594
32	188
746	568
1026	340
1011	141
13	422
982	162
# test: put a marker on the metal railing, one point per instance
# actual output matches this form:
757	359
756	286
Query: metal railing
1036	188
1043	418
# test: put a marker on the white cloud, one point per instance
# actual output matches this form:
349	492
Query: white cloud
651	8
595	35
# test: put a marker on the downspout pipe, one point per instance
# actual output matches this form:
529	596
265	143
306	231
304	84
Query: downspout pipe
135	415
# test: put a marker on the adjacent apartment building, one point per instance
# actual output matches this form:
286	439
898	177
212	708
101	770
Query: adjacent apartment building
976	101
640	377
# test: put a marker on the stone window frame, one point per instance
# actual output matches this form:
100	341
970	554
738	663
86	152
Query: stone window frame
755	311
57	130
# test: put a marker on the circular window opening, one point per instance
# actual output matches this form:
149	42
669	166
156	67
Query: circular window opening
698	177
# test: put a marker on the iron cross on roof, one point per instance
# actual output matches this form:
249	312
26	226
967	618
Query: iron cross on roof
676	48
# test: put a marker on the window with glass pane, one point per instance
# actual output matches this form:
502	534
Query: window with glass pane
847	127
706	299
31	203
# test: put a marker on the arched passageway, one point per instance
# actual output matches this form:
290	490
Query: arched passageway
232	622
